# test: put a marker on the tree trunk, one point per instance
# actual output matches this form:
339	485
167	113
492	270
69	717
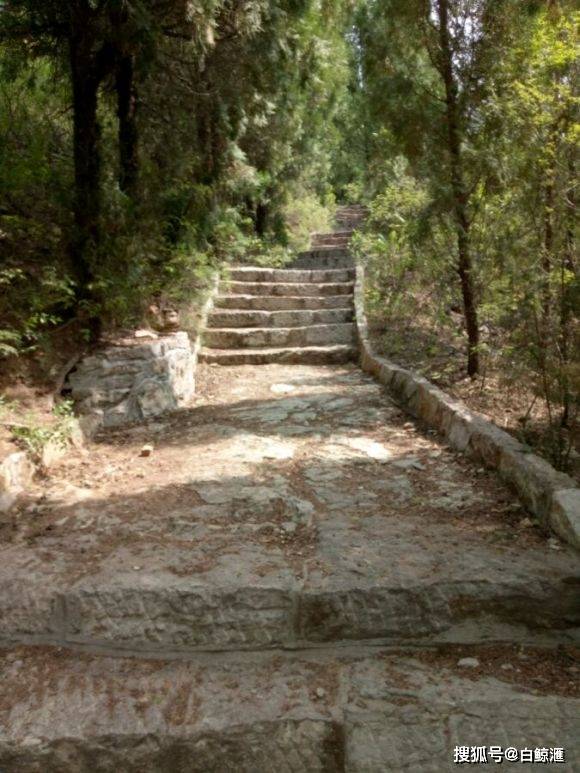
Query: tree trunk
460	195
469	302
547	257
567	292
127	105
262	215
206	162
544	331
87	164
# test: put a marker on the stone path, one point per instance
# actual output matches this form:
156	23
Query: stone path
289	580
363	711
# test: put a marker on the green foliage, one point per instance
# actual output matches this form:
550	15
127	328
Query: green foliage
220	159
518	119
34	437
305	214
407	254
35	290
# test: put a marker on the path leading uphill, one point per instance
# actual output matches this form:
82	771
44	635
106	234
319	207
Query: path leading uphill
288	575
295	509
300	314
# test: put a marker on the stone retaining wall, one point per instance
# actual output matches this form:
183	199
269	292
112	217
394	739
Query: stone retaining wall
134	379
130	380
550	495
138	377
114	386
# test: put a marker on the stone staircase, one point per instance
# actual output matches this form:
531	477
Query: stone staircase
351	216
300	314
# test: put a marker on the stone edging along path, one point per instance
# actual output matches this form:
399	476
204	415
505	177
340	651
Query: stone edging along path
550	495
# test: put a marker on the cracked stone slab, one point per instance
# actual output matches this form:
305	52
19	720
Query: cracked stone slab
265	519
353	711
407	718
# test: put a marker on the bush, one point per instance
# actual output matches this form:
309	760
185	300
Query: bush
304	215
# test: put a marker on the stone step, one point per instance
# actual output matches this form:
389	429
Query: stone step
290	288
256	338
351	212
332	711
307	261
287	276
282	303
75	713
353	222
331	251
351	209
236	318
335	243
143	612
306	355
351	217
331	239
345	234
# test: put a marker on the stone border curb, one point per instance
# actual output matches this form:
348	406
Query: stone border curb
550	495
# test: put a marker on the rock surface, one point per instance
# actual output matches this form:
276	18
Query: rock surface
397	538
16	473
134	380
339	712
